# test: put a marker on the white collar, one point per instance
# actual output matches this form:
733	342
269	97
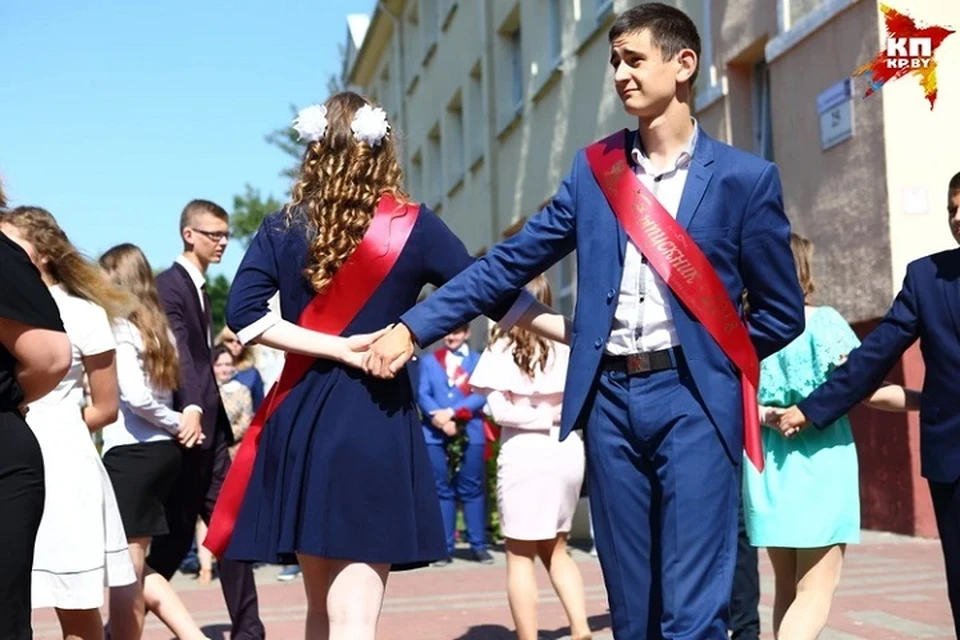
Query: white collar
199	280
686	155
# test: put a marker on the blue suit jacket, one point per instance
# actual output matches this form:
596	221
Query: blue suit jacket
731	206
434	392
928	308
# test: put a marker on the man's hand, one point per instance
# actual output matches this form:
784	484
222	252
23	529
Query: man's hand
355	347
441	417
389	353
190	433
791	422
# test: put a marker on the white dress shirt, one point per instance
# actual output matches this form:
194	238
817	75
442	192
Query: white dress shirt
146	413
453	360
643	320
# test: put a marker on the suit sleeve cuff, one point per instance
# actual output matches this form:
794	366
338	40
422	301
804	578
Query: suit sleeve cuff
193	407
515	312
253	331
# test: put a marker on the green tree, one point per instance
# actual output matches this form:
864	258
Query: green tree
249	210
218	288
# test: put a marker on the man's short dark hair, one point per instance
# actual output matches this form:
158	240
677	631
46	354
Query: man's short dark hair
197	207
670	29
954	187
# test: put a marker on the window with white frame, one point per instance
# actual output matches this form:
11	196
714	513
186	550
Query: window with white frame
386	95
454	138
430	18
434	167
475	112
508	73
516	64
760	108
555	14
414	41
414	180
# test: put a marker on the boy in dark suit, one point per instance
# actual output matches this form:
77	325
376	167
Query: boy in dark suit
928	308
206	433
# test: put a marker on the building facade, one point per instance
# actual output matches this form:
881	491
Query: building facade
492	98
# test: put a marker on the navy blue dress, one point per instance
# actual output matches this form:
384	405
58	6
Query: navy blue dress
342	471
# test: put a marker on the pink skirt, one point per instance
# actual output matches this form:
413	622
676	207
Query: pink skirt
538	483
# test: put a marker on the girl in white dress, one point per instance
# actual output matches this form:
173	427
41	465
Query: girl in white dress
538	477
81	545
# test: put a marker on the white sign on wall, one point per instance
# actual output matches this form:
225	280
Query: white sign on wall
835	108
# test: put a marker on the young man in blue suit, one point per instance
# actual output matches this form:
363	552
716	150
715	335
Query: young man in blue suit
448	404
655	391
927	308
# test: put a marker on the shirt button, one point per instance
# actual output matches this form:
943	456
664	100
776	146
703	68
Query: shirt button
598	343
610	295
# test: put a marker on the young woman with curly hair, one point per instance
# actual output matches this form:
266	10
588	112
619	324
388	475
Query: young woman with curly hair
341	482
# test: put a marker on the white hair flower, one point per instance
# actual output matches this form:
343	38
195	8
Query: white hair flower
370	125
311	123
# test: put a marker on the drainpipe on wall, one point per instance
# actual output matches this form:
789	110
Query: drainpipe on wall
401	80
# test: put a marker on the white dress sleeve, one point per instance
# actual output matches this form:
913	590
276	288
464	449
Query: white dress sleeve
93	334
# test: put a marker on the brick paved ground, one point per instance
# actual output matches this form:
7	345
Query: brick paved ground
893	587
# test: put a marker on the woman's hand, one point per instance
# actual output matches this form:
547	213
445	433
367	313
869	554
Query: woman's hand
355	347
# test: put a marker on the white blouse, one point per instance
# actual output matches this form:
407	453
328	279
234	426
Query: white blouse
146	413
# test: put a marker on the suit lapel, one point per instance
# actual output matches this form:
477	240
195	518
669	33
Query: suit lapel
192	296
698	178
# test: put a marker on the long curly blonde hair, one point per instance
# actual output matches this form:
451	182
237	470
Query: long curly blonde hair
340	183
130	270
530	351
66	265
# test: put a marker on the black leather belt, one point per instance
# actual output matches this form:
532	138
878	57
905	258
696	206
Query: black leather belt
638	363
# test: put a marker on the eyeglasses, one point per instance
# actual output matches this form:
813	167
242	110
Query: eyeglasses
216	236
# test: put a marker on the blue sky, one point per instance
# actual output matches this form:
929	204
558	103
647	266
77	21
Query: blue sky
114	114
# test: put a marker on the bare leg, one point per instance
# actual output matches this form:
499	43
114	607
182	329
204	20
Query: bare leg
784	563
204	556
127	606
522	586
567	582
81	624
164	602
355	598
316	584
818	574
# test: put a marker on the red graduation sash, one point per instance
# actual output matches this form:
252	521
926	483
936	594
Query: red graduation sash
491	433
330	311
677	259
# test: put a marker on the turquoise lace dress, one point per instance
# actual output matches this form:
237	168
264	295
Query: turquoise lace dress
808	494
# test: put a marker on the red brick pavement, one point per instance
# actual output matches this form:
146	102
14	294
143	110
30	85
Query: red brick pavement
892	587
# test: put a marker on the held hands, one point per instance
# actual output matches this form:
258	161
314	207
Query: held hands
190	433
389	353
355	347
441	417
789	422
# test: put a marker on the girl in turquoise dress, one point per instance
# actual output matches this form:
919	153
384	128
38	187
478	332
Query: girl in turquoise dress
805	506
